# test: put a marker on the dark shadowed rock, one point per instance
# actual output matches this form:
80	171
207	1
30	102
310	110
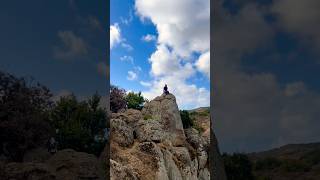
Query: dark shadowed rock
71	165
26	171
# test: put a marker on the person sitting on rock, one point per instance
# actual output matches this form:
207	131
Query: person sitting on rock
165	89
52	145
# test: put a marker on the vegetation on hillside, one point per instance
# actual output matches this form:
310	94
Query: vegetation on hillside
29	117
239	166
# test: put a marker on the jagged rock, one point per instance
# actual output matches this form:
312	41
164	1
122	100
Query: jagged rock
150	130
216	161
130	116
197	142
121	133
184	162
204	174
173	171
32	171
71	165
152	145
120	172
164	109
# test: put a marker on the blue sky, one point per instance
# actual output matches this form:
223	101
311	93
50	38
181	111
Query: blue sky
144	65
60	44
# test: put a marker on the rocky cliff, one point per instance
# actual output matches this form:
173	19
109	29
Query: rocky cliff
152	145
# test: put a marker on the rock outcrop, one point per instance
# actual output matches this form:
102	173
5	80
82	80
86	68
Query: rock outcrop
151	144
64	165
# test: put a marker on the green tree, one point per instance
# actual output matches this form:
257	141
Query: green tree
80	124
238	167
135	100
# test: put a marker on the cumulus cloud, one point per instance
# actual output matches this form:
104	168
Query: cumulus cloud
72	46
183	25
132	76
115	35
203	63
149	37
103	69
183	29
301	18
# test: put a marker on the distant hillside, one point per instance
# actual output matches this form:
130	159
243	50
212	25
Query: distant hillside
201	117
289	162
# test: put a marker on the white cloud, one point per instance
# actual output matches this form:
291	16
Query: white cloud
72	46
132	76
182	24
203	63
183	28
145	84
163	62
127	46
103	69
115	35
127	58
149	37
301	18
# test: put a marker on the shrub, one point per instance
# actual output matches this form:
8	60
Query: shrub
187	122
24	108
117	99
135	100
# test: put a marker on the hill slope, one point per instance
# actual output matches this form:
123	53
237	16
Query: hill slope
289	162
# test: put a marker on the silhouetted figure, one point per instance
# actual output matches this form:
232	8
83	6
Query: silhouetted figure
52	145
165	89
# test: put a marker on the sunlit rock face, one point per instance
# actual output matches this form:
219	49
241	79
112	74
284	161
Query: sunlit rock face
151	144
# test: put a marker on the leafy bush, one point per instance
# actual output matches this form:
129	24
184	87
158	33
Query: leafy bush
24	107
238	167
187	122
135	100
117	99
80	124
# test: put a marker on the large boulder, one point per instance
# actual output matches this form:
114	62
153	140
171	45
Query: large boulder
121	133
71	165
130	116
32	171
164	109
150	130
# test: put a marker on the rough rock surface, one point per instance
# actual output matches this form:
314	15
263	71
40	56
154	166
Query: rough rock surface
64	165
76	165
164	109
152	145
22	171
